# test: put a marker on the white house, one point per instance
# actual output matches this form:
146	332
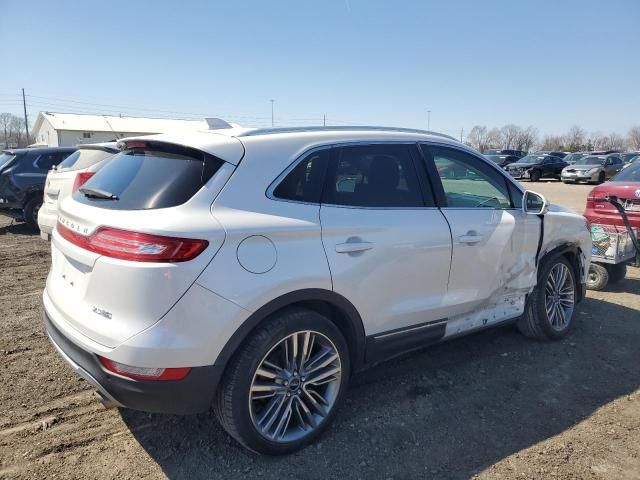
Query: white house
68	129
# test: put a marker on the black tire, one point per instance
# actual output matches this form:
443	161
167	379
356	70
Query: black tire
617	272
232	404
535	322
601	177
30	212
598	277
535	176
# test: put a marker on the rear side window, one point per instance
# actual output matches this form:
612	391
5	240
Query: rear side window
83	158
304	182
47	161
150	178
373	176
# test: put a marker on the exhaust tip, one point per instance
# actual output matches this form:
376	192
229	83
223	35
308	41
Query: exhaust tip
106	402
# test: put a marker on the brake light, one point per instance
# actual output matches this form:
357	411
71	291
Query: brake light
143	373
596	196
134	246
81	179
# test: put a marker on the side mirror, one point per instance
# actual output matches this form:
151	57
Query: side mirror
534	204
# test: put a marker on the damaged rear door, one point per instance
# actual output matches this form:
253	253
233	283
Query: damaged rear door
494	243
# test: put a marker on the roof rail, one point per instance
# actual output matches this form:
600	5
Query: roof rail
267	131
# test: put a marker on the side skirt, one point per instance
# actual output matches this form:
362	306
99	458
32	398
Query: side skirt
385	345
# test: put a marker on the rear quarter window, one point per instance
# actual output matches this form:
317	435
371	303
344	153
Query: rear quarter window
144	179
84	158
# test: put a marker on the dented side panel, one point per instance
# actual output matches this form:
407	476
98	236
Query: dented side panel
499	266
515	243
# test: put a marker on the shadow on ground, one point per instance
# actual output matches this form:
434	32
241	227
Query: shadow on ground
17	228
447	412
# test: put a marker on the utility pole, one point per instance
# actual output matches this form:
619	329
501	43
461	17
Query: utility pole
272	123
461	133
26	121
324	119
428	119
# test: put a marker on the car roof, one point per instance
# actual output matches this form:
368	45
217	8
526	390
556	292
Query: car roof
229	144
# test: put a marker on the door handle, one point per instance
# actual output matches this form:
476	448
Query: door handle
470	238
353	247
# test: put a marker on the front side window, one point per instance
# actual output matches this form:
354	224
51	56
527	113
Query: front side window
468	182
373	176
304	182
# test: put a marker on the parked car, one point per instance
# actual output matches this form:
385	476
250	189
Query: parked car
22	176
629	157
551	153
256	271
631	161
515	153
502	160
574	157
592	168
534	167
67	177
626	187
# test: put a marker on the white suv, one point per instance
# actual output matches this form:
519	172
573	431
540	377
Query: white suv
254	271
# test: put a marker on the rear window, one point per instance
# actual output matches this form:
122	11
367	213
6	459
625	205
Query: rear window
83	158
144	179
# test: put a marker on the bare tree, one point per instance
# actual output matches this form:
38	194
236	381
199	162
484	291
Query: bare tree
510	134
552	142
526	139
17	132
5	121
574	140
478	138
614	141
494	138
633	138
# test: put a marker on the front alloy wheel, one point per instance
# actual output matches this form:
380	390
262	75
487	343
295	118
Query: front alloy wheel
295	385
550	308
559	296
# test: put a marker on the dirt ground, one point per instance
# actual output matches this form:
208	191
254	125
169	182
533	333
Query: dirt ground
492	405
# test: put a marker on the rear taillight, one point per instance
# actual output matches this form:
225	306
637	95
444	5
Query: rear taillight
144	373
81	179
596	196
134	246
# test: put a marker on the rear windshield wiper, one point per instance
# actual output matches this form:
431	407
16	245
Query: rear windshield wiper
97	193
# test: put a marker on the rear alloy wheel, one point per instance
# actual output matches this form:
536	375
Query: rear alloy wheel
285	384
30	212
550	309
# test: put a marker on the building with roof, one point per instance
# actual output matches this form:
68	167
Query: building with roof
67	129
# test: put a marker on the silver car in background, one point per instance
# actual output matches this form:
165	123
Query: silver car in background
592	168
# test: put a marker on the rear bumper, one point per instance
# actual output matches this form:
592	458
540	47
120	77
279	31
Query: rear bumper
46	222
193	394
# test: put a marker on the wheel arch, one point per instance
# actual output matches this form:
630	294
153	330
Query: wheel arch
573	253
334	306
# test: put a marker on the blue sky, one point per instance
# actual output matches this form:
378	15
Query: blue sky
551	64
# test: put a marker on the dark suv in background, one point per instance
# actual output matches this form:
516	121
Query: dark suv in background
22	177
